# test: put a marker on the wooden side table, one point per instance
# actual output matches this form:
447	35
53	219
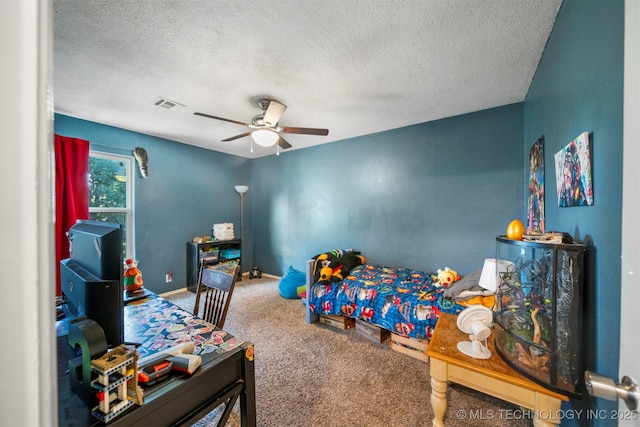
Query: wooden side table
491	376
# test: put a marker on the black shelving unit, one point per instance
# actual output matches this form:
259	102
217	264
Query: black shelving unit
197	251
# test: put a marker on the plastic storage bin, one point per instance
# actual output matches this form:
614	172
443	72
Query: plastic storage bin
230	253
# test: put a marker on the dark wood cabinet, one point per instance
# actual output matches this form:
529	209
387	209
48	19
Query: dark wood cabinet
216	251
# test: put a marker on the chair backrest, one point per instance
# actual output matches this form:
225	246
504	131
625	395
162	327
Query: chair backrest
215	288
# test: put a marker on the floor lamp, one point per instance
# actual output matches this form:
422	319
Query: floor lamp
241	189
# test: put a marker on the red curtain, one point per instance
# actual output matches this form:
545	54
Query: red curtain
72	191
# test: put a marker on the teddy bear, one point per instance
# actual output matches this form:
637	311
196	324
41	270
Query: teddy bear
446	277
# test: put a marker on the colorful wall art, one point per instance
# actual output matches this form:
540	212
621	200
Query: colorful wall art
573	173
535	211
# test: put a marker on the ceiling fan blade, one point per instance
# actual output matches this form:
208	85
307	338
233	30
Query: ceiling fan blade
242	135
221	118
274	113
305	131
283	144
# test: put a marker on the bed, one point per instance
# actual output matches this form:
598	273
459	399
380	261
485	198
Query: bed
404	301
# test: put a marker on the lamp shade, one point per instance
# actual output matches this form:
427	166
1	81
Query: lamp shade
492	268
242	188
265	137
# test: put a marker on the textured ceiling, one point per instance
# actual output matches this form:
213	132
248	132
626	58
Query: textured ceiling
353	66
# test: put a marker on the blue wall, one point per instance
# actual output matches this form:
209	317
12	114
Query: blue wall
427	196
579	87
424	196
188	190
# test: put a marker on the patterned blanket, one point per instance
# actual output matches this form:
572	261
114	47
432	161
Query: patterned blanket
157	325
401	300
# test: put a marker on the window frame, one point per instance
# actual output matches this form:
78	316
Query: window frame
129	210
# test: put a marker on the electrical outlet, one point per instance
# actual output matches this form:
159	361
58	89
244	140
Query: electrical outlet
169	277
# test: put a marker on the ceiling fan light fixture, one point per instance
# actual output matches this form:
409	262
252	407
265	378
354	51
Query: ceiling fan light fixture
265	129
265	137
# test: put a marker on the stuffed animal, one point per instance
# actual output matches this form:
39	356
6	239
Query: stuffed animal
347	262
446	277
326	275
132	276
290	282
327	259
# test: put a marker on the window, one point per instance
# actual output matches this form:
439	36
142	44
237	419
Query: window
111	194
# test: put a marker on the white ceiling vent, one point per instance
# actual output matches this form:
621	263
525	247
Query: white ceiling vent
168	105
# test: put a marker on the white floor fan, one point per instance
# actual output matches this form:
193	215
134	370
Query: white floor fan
475	321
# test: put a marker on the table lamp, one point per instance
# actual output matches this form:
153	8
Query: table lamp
491	271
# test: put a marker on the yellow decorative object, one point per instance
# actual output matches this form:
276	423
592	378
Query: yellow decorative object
515	230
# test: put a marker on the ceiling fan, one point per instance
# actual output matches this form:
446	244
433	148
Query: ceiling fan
266	131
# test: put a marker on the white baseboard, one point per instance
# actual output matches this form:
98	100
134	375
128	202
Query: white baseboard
271	276
245	275
175	291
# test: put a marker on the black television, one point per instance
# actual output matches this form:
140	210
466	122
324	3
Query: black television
88	296
98	247
91	279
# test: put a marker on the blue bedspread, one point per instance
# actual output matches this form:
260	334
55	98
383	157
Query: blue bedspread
404	301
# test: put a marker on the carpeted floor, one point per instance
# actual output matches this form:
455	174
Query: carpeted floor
316	375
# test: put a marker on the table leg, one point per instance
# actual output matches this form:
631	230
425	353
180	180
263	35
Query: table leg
438	373
546	410
539	422
248	396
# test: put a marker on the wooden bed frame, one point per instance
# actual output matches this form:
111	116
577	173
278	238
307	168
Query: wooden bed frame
415	348
308	270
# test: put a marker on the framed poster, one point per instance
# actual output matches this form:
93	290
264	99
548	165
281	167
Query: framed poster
535	211
573	173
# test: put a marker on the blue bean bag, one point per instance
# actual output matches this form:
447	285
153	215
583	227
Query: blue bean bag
290	283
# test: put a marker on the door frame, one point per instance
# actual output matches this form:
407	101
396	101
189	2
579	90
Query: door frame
630	256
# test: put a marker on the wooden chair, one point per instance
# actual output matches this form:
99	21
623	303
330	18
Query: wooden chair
215	287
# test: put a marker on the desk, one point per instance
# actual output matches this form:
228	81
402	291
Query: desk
227	369
491	376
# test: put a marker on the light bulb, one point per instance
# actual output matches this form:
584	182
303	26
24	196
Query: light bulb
265	137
